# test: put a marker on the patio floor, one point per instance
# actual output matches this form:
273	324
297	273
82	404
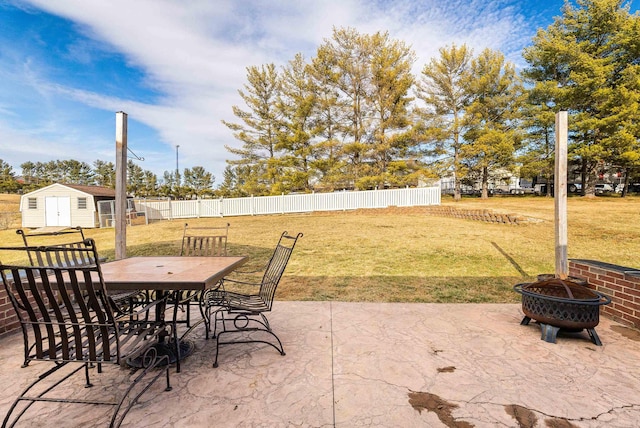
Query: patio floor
382	365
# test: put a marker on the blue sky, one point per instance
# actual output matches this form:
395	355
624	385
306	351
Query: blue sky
175	67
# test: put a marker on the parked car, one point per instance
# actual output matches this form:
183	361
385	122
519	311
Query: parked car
574	187
633	188
601	189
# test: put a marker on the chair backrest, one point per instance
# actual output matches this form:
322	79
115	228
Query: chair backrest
60	256
65	310
276	266
204	241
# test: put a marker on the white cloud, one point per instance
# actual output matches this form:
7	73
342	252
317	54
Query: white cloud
195	53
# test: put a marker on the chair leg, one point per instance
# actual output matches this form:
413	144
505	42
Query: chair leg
31	401
240	323
204	313
151	355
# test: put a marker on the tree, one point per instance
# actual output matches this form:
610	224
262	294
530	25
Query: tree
443	90
104	173
149	184
260	128
347	59
297	102
135	178
590	54
493	133
8	182
328	115
170	185
228	188
198	182
392	146
76	172
539	122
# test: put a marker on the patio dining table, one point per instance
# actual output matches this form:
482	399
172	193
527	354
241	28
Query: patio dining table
166	274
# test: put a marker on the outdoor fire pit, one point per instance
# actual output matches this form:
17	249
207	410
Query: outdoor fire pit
558	304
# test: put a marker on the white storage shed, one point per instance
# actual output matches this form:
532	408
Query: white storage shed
68	205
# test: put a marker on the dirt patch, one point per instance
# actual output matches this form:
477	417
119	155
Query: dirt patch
525	417
628	332
425	401
448	369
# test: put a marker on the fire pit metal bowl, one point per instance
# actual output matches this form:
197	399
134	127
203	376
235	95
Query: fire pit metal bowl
558	304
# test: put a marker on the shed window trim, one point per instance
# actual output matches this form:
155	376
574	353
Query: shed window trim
32	203
82	203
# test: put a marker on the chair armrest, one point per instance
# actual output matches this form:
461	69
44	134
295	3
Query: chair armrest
235	281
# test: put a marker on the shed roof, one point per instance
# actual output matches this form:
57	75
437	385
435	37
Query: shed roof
98	191
93	190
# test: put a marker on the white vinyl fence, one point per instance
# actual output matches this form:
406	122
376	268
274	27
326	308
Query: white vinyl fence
283	204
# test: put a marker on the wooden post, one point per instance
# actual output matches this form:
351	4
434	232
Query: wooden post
560	198
121	186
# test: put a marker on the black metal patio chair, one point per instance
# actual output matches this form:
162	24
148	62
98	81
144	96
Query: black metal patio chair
67	239
199	241
243	314
67	315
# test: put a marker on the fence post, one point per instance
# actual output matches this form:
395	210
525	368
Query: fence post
146	212
252	208
220	207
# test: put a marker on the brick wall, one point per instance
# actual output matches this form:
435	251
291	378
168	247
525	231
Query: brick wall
8	319
621	284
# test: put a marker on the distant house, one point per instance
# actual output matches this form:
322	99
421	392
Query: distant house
61	205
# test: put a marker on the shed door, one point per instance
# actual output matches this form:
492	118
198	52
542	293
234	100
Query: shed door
57	210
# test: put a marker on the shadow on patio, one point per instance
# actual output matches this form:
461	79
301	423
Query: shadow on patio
379	364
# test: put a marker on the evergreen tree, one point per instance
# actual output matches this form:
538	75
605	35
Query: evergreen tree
198	182
260	129
590	54
135	179
392	146
443	89
329	163
492	118
104	173
297	103
8	182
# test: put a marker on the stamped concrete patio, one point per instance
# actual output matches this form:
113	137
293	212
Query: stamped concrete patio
382	365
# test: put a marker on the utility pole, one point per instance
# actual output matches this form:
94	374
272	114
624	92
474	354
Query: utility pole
177	168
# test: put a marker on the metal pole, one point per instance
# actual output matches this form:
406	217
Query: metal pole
560	195
177	168
121	186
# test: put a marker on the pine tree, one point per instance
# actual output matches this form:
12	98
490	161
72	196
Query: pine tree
260	129
492	118
443	90
590	54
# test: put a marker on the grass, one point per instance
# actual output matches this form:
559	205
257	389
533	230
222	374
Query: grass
388	256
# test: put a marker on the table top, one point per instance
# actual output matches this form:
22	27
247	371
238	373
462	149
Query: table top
168	273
